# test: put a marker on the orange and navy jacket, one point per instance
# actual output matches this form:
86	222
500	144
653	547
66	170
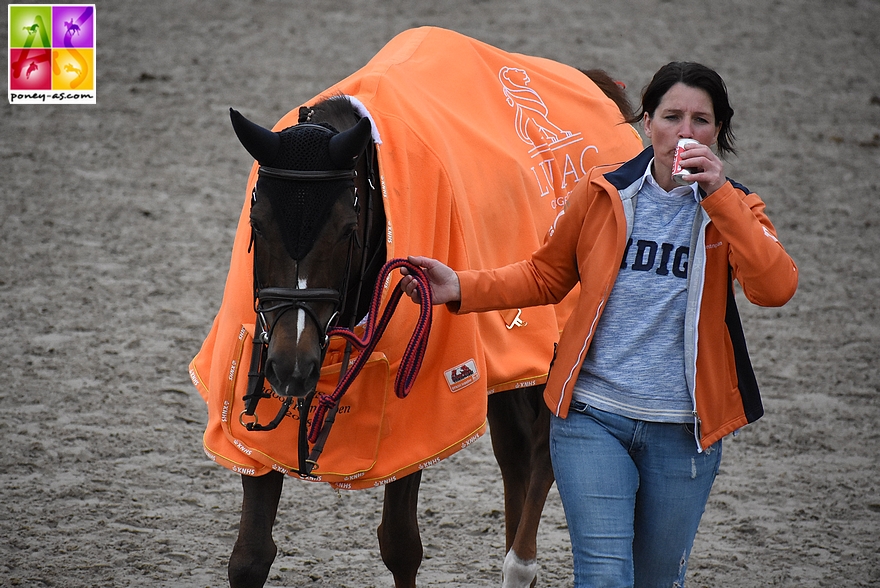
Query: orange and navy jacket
733	240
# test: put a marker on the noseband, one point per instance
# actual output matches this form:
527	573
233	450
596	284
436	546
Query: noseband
280	300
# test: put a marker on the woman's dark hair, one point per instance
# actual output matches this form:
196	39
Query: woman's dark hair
696	76
611	88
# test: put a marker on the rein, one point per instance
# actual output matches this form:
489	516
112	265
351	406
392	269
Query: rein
410	363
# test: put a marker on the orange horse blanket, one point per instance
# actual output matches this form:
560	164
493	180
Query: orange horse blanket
478	150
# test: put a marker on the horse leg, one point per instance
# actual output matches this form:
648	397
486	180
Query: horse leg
254	549
519	424
399	540
541	479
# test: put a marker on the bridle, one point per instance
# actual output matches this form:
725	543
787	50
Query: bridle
276	301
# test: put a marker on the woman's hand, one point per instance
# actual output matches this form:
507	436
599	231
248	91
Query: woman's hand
701	157
442	279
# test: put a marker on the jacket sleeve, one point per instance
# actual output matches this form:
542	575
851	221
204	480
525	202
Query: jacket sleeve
766	272
545	278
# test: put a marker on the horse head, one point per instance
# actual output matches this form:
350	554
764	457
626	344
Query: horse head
304	218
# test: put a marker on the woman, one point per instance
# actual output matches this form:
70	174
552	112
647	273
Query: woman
651	370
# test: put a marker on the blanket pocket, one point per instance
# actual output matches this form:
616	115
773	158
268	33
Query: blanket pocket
352	445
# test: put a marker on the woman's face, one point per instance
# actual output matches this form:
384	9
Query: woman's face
684	112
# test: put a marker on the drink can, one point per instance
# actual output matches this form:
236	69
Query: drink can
680	174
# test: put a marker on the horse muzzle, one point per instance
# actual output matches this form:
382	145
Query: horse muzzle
293	371
296	337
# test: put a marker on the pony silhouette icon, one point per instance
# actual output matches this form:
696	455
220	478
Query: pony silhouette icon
72	28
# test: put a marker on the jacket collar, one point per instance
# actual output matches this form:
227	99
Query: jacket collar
627	179
632	171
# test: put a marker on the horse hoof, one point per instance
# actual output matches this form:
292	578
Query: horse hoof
516	572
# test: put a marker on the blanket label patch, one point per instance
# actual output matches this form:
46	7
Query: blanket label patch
462	375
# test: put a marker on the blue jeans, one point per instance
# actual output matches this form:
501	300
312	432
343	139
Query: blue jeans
633	494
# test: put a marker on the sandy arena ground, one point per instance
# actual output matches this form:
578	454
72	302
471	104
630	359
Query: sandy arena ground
116	223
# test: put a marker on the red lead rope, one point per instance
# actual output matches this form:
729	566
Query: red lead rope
410	363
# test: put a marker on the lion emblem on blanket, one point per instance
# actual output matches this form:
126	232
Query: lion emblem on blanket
531	112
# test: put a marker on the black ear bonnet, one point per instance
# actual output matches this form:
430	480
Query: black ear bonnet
302	204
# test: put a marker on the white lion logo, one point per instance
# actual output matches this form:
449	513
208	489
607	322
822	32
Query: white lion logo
531	112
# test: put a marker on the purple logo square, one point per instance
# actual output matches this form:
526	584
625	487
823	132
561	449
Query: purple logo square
73	26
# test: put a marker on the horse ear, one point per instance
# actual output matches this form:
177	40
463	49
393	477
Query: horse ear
262	144
347	145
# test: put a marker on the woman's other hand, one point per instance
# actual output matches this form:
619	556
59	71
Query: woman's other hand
442	279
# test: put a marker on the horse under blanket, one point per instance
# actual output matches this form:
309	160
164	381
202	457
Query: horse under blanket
478	150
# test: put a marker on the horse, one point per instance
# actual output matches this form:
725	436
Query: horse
319	241
342	246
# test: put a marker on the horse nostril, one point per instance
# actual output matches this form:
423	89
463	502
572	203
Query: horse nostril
272	376
292	379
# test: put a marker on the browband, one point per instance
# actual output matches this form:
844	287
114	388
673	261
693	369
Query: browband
306	176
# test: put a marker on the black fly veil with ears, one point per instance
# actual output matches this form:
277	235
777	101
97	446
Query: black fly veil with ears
303	171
